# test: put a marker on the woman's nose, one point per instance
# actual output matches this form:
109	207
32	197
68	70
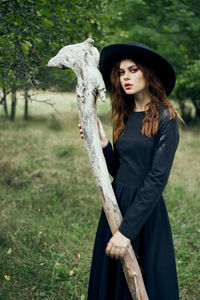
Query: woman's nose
126	76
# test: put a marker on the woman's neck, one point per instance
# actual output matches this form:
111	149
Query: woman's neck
141	99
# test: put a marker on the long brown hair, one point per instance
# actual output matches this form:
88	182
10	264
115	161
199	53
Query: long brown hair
123	103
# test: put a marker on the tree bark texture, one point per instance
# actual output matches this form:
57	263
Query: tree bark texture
25	104
196	103
83	59
13	104
5	103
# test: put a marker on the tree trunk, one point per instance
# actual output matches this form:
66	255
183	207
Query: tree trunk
25	104
13	104
196	103
5	103
182	107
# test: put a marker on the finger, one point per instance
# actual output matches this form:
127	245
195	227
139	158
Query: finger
101	129
99	123
117	253
111	250
112	253
108	248
121	252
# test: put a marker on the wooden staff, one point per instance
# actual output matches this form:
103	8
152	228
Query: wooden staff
83	59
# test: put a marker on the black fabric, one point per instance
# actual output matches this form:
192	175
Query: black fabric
141	168
141	54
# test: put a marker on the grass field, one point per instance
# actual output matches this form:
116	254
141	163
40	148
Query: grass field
49	205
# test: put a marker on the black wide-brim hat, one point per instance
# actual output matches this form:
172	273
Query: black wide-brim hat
140	54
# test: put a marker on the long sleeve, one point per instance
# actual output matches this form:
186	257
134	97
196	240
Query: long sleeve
150	193
111	158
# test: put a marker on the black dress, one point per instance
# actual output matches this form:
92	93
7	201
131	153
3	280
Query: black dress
140	167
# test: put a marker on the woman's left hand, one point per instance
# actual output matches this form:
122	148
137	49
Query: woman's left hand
117	245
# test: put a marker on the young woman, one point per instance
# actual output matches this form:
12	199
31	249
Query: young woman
145	139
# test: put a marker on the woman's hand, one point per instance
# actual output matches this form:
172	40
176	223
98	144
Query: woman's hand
102	135
80	129
117	245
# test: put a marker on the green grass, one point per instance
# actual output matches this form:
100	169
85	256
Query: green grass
49	206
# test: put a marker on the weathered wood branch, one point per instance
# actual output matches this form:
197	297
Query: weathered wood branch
83	59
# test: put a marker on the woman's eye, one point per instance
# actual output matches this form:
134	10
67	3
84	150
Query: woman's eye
134	70
120	73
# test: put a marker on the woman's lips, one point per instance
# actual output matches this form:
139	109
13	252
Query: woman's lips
128	86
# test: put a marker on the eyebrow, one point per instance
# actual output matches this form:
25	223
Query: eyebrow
129	67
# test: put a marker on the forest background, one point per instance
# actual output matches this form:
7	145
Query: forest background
49	203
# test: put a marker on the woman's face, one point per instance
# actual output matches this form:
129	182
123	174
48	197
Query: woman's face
131	77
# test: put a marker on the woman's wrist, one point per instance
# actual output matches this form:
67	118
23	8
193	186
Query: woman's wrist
104	142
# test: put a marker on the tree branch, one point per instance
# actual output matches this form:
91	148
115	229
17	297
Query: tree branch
83	59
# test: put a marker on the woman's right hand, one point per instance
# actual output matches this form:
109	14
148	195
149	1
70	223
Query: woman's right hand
102	135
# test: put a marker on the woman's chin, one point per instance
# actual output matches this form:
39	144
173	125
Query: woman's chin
129	92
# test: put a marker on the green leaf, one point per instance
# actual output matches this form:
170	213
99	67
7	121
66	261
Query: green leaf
48	23
26	45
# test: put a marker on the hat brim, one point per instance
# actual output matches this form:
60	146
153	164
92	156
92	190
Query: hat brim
141	55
